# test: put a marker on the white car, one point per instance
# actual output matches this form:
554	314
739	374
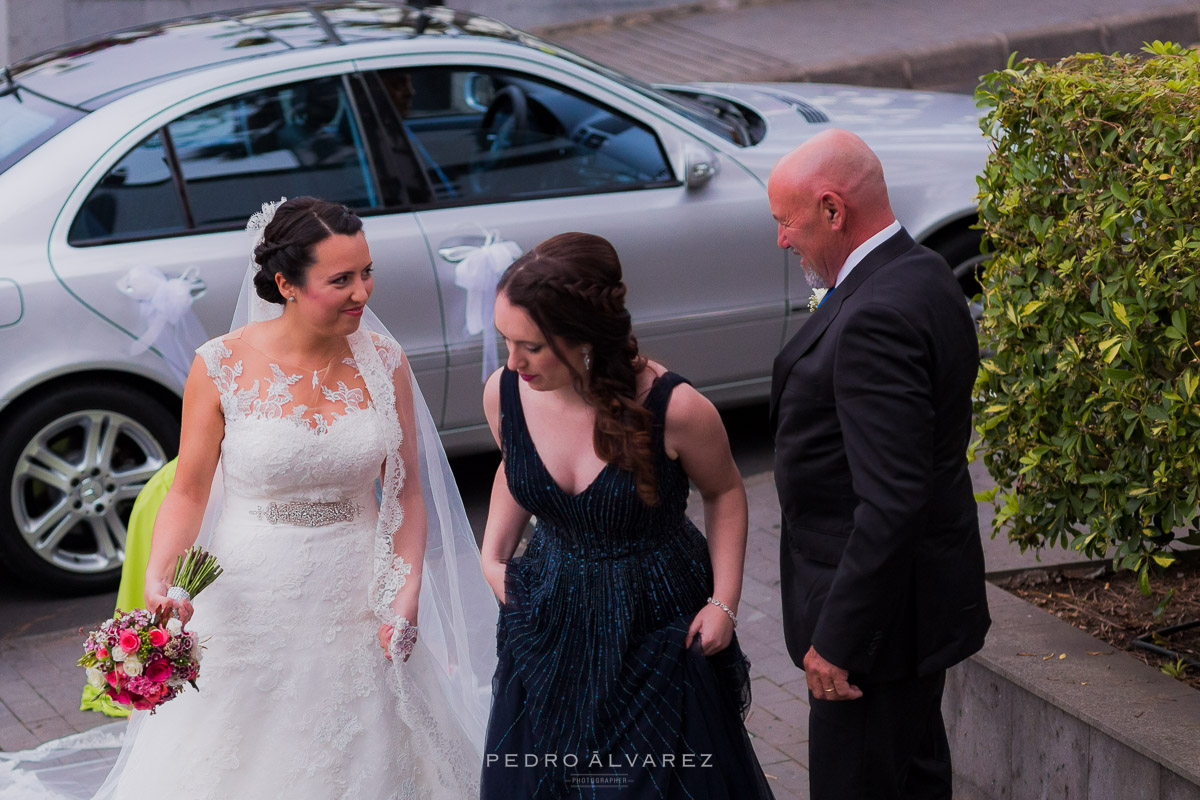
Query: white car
150	147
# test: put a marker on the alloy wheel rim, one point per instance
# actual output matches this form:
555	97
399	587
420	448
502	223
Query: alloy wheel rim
75	483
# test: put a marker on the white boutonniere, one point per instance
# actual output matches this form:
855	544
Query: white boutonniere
817	296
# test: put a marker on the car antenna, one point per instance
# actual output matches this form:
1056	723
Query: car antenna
7	84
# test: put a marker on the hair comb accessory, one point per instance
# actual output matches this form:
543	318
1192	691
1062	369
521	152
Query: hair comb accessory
259	221
250	302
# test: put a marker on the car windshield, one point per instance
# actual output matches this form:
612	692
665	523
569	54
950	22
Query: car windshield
697	112
26	121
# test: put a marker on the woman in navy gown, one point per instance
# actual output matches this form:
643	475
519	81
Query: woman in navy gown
619	672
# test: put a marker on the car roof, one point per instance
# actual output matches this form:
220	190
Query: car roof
92	72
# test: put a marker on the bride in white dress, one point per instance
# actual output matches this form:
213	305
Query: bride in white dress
311	686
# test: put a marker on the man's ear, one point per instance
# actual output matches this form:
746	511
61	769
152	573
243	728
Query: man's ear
833	211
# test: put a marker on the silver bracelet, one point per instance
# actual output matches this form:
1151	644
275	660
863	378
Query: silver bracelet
714	601
176	593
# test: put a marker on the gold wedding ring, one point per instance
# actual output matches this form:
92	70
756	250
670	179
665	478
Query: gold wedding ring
827	691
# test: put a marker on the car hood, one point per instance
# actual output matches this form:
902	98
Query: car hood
887	119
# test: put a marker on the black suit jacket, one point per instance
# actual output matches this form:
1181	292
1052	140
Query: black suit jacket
881	559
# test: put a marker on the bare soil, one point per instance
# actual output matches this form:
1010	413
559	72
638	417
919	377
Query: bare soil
1110	607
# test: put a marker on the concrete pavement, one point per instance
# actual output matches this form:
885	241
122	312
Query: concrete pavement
40	684
924	44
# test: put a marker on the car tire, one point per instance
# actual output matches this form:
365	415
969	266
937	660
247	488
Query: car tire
72	460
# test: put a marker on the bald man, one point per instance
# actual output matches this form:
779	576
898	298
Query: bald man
881	560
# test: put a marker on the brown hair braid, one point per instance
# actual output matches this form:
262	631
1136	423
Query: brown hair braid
570	285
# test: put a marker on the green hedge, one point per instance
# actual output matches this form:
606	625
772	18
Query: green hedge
1088	407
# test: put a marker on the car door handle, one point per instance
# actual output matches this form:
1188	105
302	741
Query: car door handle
455	249
142	283
197	286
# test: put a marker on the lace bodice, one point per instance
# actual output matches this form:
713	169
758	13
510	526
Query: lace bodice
291	433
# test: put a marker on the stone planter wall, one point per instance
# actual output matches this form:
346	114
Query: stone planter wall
1097	724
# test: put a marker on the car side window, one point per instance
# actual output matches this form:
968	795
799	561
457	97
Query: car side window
484	135
137	198
286	141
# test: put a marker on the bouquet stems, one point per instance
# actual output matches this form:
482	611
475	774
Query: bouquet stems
195	571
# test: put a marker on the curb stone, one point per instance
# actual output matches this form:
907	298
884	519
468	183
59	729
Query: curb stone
951	66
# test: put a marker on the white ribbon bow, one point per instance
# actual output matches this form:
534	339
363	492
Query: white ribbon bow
479	272
164	302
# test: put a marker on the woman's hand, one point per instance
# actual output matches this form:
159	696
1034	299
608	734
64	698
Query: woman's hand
714	627
406	628
494	573
506	519
156	598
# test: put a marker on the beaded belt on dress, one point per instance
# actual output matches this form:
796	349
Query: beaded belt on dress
306	514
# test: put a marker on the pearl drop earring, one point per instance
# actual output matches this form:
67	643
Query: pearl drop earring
587	358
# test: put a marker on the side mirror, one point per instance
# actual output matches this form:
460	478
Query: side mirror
700	165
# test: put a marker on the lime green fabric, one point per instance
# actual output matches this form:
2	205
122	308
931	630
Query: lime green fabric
131	593
96	700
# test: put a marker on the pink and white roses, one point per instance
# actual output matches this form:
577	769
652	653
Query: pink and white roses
143	660
139	663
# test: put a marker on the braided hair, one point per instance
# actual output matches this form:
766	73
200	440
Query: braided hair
571	287
289	241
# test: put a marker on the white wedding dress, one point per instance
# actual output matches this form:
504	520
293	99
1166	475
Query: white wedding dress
332	488
296	698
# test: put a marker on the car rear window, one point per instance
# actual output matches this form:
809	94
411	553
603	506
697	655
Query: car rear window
26	121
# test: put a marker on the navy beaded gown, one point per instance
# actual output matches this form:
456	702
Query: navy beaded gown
595	695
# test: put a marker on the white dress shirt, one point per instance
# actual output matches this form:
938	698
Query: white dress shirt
864	249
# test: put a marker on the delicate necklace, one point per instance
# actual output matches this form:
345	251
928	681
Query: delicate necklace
295	364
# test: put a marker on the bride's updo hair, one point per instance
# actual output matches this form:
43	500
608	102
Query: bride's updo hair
290	239
571	287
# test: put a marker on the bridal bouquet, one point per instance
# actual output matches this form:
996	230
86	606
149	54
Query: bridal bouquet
143	659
